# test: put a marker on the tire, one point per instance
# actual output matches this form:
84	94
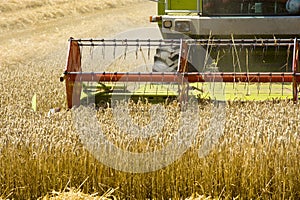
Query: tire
166	59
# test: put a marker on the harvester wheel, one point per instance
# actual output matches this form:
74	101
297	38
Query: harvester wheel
166	59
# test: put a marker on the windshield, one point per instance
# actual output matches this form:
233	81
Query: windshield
251	7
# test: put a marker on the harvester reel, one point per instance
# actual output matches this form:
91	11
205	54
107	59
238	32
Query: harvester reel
176	60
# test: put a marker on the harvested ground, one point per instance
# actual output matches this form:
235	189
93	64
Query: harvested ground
31	29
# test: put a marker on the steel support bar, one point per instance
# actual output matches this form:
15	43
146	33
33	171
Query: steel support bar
287	77
73	87
174	42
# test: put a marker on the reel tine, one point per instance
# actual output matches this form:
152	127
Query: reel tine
252	48
241	47
258	84
248	89
103	49
282	85
137	48
143	56
125	83
270	86
254	45
270	89
214	86
80	48
126	48
288	55
92	49
235	88
115	47
149	46
162	78
276	49
266	48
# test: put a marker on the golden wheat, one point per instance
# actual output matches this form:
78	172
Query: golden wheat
257	156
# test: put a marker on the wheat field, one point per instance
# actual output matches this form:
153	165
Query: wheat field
43	157
257	157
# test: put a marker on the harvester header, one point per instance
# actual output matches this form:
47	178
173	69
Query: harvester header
108	80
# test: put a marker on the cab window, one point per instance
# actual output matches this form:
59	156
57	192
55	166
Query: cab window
251	7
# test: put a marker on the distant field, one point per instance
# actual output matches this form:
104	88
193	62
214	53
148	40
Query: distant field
19	14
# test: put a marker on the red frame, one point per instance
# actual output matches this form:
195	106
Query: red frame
74	76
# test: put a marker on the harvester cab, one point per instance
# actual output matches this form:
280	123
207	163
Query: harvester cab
249	47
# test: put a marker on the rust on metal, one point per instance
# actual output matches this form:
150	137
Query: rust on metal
183	63
73	86
183	67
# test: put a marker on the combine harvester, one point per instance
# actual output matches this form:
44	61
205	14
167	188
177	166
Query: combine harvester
218	49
